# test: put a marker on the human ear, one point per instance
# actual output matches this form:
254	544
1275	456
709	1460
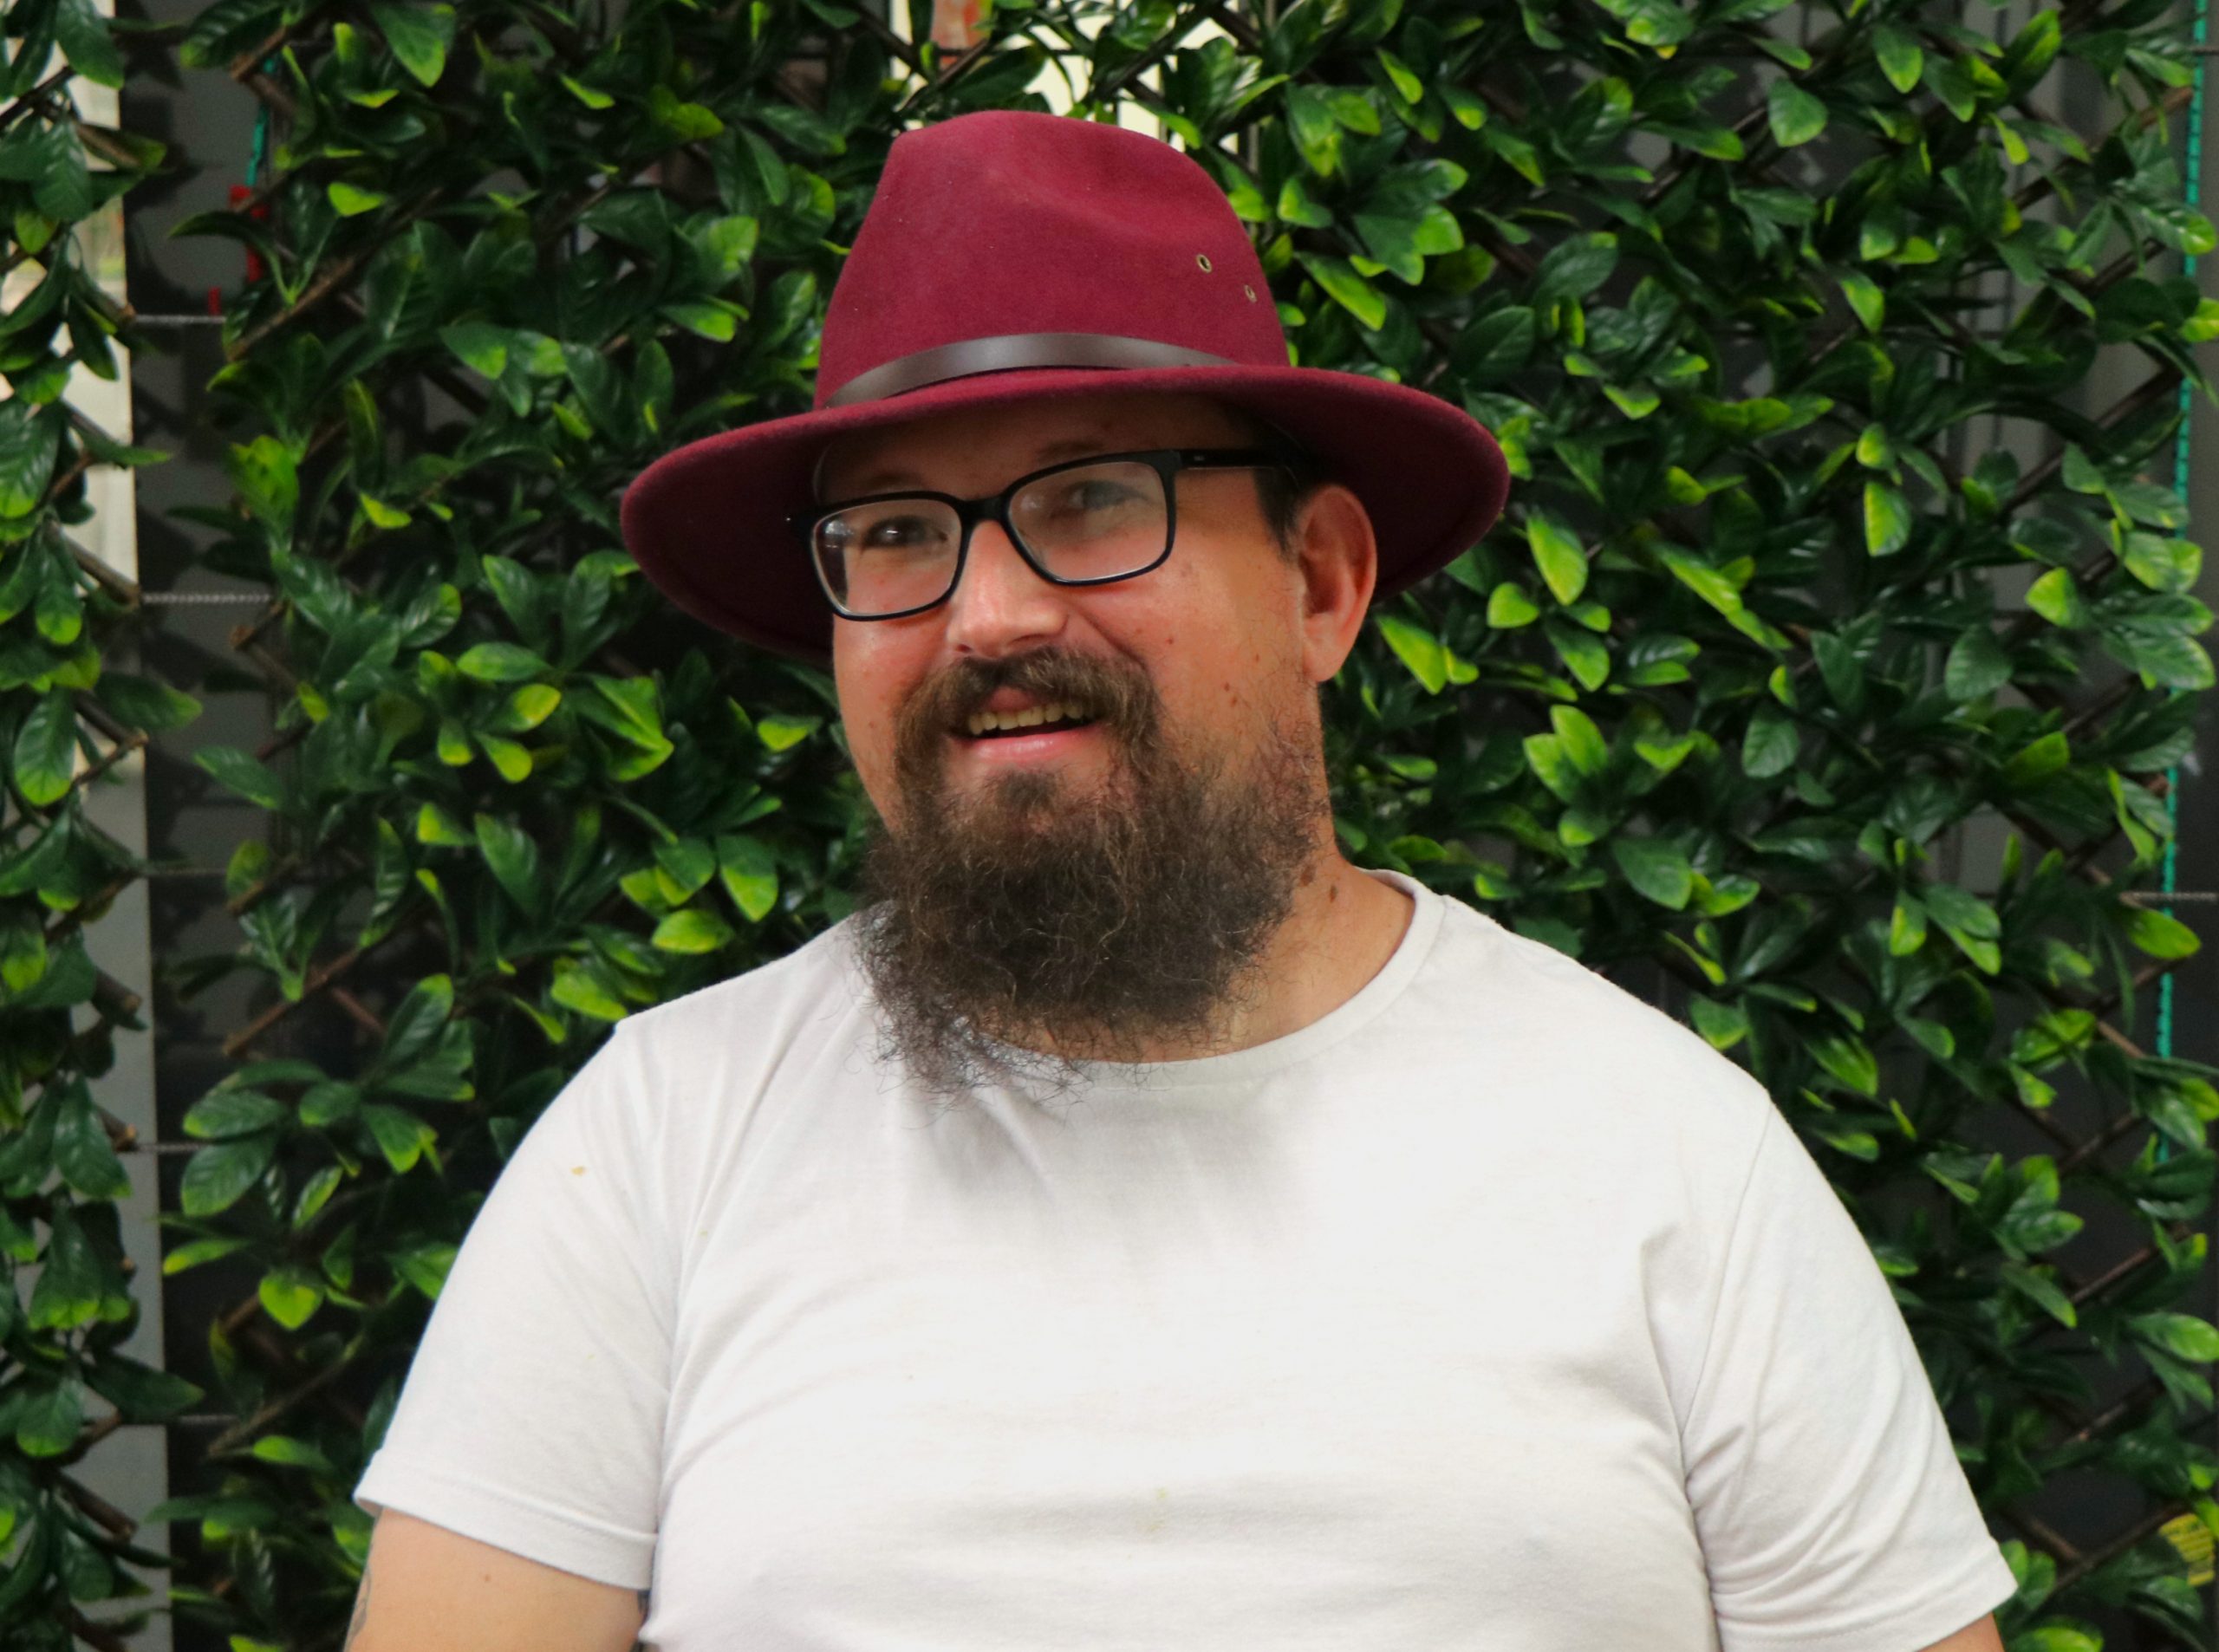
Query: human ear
1339	566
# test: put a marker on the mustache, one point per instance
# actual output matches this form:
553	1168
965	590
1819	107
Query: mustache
1119	694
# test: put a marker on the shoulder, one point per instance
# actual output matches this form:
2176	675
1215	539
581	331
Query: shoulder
688	1079
713	1053
1519	1006
817	982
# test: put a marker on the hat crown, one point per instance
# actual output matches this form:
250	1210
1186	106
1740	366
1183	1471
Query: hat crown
1007	222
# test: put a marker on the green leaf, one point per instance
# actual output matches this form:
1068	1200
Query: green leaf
1407	85
2183	1336
1583	743
1394	242
1559	555
1849	1060
1583	652
420	36
514	860
1346	287
1509	606
401	1136
1658	870
416	1026
47	1423
426	1267
499	662
28	445
1887	519
1469	109
73	1281
145	704
1900	58
1771	742
49	156
1866	299
244	775
1961	910
1658	23
2163	564
204	1250
527	708
750	876
478	346
435	825
511	761
83	1152
224	1113
1977	665
1796	116
579	988
290	1453
23	954
1969	922
1417	648
2160	935
330	1102
1496	345
1316	133
693	931
780	732
290	1295
46	748
684	867
81	33
1722	1025
587	95
2036	1286
687	122
351	202
2057	599
1907	926
2039	759
216	1176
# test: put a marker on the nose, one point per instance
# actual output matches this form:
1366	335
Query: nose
1000	605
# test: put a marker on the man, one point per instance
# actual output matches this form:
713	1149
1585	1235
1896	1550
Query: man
1137	1227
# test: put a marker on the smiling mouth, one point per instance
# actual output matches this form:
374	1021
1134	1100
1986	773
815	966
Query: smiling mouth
1050	718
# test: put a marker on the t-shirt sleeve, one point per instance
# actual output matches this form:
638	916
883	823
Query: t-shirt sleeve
1832	1511
531	1417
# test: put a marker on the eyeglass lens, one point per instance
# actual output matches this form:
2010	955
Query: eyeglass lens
1090	522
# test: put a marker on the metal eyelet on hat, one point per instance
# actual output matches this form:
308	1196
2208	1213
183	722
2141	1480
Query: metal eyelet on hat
1203	259
1250	291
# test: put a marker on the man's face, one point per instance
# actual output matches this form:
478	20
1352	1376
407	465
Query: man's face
1213	633
1098	889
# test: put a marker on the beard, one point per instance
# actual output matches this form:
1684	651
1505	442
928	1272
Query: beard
1039	919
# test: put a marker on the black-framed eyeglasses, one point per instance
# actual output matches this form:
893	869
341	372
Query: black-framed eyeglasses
1086	521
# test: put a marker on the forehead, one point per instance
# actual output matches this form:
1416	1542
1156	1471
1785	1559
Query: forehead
982	445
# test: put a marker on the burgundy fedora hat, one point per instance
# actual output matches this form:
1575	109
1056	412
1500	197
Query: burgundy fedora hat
1009	256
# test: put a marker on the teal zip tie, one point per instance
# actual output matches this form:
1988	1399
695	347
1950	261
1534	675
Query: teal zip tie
2168	879
262	120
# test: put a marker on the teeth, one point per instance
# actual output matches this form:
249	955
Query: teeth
1031	717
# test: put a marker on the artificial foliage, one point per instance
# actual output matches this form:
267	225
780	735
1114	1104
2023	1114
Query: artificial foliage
69	719
1823	677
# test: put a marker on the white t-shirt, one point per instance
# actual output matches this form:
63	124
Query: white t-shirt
1493	1309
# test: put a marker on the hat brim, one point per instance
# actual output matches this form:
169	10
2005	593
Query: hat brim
707	521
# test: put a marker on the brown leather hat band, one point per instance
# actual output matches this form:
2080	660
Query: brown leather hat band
968	356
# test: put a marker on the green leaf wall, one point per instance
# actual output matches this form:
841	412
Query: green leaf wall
1822	680
71	721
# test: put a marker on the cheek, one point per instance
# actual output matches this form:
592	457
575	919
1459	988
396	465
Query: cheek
869	713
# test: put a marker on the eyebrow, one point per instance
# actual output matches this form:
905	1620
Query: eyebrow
896	476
